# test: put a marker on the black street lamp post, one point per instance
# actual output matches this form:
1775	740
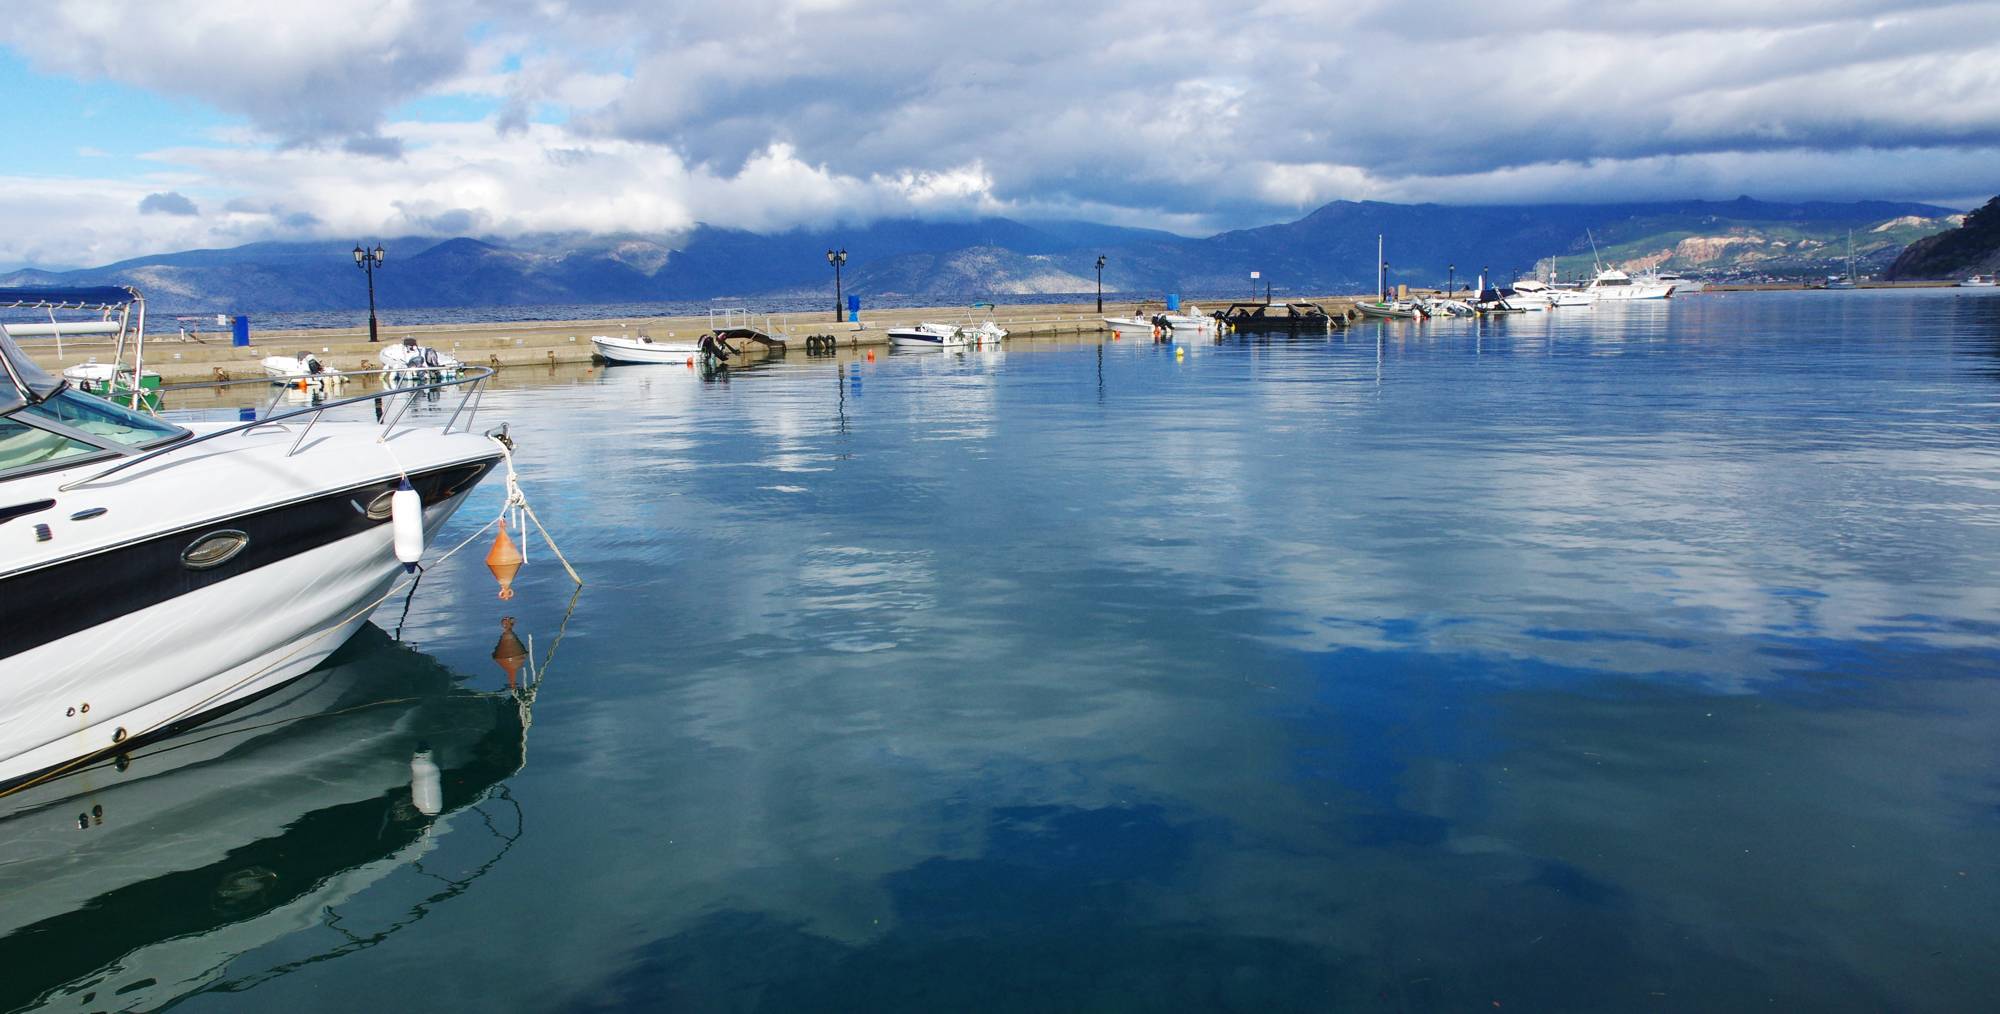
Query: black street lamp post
1451	279
836	258
1100	284
368	261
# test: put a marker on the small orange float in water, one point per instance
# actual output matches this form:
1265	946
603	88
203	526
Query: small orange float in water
509	653
871	355
504	561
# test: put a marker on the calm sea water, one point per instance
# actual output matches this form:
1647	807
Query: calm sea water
1641	658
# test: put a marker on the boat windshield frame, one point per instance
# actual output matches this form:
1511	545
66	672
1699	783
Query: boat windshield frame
472	378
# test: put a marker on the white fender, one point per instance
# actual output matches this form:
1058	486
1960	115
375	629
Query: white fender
406	517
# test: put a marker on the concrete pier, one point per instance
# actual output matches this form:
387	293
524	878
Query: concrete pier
556	343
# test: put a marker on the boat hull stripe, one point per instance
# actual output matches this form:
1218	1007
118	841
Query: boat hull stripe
49	603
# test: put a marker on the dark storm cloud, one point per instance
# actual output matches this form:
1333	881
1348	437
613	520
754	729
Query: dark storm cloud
168	203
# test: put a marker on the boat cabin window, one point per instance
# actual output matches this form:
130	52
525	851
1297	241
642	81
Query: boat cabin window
100	418
24	446
1613	281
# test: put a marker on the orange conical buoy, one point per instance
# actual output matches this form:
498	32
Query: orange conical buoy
509	653
504	561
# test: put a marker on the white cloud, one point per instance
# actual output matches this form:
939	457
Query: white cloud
1189	115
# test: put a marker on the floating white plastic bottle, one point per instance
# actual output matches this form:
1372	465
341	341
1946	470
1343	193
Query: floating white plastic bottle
406	517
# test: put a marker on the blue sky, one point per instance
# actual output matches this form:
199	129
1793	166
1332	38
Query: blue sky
182	123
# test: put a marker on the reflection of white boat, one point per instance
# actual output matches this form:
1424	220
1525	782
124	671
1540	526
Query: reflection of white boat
1615	285
266	822
641	349
146	585
1978	282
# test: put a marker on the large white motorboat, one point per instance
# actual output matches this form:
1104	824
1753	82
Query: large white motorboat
1615	285
928	334
1978	282
152	573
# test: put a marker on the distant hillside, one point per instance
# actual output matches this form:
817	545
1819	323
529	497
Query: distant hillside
1972	248
1330	250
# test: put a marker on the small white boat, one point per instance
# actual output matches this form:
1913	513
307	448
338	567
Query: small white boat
301	370
1837	282
928	334
412	362
1440	307
1391	309
115	382
985	333
1193	320
1978	282
1570	297
1132	326
643	349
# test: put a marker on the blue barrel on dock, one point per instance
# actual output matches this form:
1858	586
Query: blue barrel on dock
1173	302
853	308
240	330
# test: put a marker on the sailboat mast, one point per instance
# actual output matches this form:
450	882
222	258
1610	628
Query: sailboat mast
1381	271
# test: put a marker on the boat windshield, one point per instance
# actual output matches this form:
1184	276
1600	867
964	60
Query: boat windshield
97	417
23	446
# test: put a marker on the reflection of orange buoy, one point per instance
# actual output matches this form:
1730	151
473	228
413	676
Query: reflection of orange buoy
690	360
504	561
509	653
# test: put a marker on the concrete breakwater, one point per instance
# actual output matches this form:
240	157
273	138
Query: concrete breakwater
211	356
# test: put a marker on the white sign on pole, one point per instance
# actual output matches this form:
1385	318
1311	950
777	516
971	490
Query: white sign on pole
1256	274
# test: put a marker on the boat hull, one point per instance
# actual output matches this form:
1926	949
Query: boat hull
927	337
154	656
1628	293
637	352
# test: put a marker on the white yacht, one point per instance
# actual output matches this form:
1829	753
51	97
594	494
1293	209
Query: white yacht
1681	283
1530	294
1977	282
1615	285
152	573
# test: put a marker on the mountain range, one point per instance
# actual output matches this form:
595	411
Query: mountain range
1329	250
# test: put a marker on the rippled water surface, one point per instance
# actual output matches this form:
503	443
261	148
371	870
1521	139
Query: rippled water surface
1628	659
